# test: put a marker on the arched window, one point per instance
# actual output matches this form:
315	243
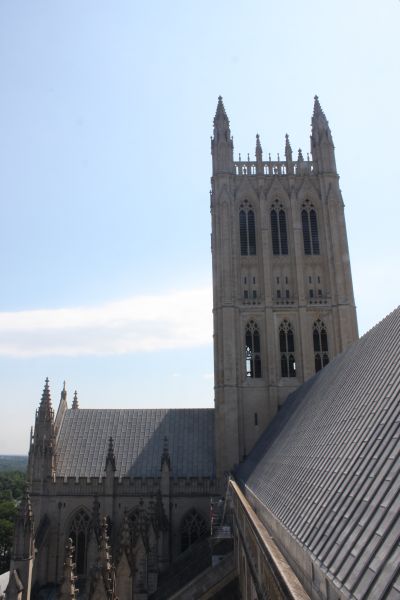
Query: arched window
310	229
247	228
253	350
193	528
79	531
279	231
320	341
286	347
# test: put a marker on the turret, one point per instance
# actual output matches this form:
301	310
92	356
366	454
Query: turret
222	142
322	148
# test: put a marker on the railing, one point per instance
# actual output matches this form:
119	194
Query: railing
273	167
263	571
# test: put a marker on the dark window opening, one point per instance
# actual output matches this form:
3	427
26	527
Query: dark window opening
278	293
246	294
311	293
193	528
287	294
254	294
255	419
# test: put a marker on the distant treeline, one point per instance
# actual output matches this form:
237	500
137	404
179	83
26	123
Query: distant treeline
13	463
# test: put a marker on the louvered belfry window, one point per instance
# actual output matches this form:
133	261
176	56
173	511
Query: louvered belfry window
320	341
286	347
310	229
253	350
279	232
247	228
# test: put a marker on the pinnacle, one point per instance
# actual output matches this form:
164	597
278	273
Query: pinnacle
318	113
110	454
220	112
75	403
45	402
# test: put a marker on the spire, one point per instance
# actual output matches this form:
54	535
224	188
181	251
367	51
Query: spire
300	157
317	108
322	148
258	149
75	403
165	457
46	412
220	113
221	142
110	460
68	591
288	149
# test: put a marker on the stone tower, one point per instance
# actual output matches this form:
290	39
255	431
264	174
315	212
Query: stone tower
282	290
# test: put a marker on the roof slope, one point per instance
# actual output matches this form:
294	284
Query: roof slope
138	442
328	467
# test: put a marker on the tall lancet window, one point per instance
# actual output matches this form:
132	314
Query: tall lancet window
279	231
286	347
320	341
79	533
253	350
247	228
310	229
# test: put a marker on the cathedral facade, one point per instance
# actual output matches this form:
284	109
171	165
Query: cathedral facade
116	498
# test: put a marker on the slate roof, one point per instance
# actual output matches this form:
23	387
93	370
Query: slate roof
328	466
138	442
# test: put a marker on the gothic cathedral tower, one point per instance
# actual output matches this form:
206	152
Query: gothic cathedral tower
282	290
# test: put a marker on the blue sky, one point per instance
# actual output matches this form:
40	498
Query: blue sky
106	114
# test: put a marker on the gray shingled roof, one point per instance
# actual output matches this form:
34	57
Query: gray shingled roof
328	467
138	442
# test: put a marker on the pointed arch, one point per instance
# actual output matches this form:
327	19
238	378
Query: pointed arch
193	528
79	533
253	350
286	348
320	343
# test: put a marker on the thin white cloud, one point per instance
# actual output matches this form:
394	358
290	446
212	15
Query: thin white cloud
178	319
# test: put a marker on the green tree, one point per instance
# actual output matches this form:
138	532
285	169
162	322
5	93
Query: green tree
12	486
